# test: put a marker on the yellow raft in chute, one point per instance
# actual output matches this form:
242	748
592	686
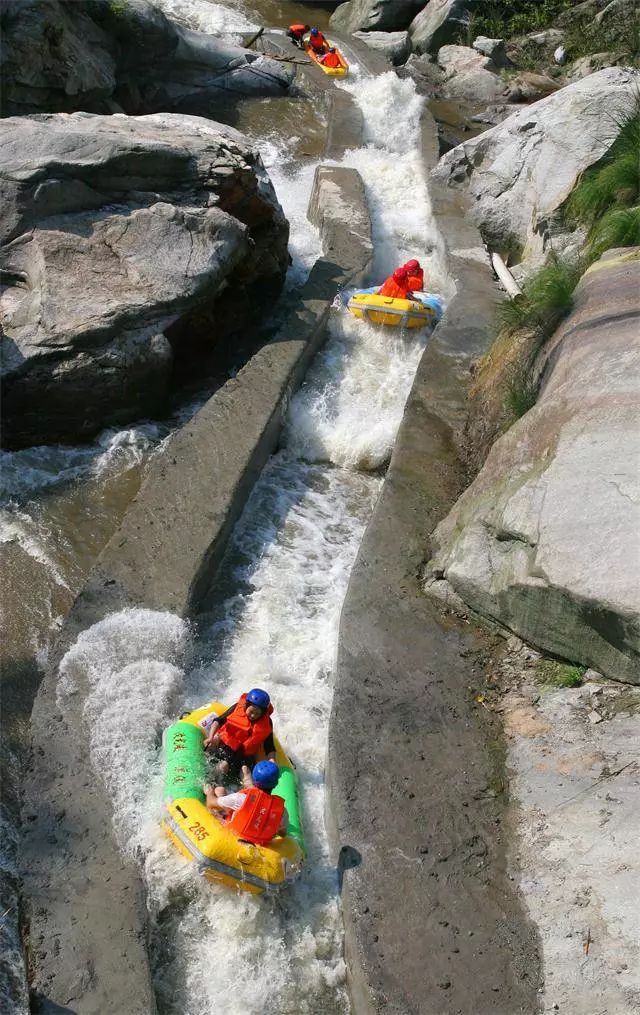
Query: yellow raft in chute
394	313
332	72
201	837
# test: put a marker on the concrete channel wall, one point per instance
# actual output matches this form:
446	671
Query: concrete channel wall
86	907
414	776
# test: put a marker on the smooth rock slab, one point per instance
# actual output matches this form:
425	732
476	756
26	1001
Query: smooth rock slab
546	540
370	15
470	75
438	23
506	170
394	45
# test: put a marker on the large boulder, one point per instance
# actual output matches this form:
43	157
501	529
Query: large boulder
378	15
124	242
470	75
520	173
546	539
66	55
438	23
394	45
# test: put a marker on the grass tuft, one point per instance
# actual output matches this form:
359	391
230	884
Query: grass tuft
555	674
521	394
547	297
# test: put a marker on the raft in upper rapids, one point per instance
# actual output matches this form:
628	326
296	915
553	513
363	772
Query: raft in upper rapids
201	837
393	312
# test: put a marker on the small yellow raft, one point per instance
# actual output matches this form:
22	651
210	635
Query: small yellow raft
394	313
332	72
201	837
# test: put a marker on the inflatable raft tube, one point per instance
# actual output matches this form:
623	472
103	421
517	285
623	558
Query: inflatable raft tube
422	311
332	72
201	837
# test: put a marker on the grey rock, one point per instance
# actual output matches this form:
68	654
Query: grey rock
586	65
506	173
618	10
549	39
370	15
65	55
529	87
493	48
545	540
118	238
438	23
470	75
394	45
425	72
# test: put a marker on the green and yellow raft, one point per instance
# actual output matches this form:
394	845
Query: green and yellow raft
201	837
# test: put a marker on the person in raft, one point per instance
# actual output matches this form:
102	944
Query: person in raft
252	813
397	285
331	58
240	732
296	33
318	42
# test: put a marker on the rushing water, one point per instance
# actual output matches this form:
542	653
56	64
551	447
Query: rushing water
272	617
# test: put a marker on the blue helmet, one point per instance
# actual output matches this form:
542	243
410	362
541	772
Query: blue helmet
314	31
258	698
265	774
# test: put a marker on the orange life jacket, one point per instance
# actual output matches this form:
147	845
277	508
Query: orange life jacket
298	30
416	281
391	288
318	43
330	60
258	820
240	734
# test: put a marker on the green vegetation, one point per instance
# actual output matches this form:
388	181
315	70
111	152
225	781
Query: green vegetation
521	394
547	297
506	18
607	199
118	7
555	674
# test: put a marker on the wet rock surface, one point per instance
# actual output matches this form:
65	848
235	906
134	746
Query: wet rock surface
120	237
105	57
545	540
506	170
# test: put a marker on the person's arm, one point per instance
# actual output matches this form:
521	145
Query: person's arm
284	823
211	739
229	802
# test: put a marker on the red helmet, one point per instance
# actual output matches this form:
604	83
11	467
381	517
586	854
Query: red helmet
412	265
400	275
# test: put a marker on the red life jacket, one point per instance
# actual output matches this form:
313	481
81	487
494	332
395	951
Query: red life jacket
240	734
330	60
318	43
258	820
298	30
391	288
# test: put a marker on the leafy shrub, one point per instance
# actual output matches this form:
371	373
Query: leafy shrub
505	18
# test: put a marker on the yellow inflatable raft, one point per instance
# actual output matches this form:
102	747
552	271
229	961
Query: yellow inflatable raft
393	313
332	72
201	837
